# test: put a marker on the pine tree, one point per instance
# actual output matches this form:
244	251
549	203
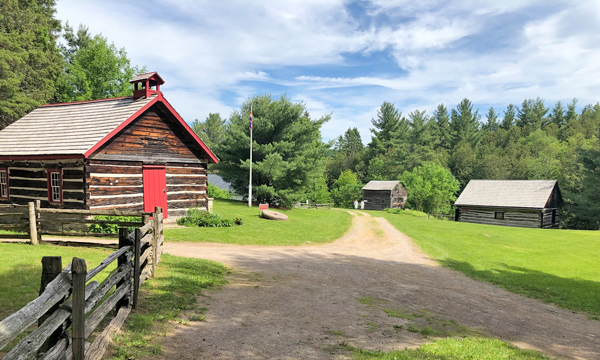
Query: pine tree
441	129
387	123
492	120
211	130
509	117
465	123
532	113
30	63
557	116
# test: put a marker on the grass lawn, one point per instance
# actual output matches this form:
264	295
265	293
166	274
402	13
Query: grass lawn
304	226
21	270
557	266
453	349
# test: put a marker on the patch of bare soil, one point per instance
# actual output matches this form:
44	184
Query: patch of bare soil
302	302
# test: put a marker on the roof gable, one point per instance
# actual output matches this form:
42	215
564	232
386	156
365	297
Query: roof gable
381	185
80	128
525	194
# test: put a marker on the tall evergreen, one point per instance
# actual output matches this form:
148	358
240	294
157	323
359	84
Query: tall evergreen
385	125
492	120
532	113
441	130
509	117
30	63
211	130
557	115
465	123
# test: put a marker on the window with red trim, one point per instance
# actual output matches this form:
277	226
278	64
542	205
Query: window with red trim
54	187
4	195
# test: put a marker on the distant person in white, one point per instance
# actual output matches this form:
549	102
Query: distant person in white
362	204
355	204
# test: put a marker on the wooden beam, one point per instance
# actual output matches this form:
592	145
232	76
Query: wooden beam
78	298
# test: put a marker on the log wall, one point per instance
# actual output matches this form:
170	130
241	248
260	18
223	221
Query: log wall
28	181
512	217
115	176
382	199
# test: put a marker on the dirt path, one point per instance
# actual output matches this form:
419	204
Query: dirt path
302	302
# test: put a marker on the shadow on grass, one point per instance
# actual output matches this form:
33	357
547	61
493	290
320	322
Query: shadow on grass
575	294
20	285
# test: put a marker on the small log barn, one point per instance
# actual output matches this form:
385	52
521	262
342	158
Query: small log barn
129	153
520	203
379	195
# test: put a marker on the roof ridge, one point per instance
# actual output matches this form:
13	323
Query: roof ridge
84	101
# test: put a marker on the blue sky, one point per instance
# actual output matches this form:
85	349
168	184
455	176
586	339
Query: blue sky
345	58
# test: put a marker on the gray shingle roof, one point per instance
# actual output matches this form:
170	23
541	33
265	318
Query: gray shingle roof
219	182
145	76
381	185
525	194
69	129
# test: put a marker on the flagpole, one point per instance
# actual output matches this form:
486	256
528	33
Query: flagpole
250	183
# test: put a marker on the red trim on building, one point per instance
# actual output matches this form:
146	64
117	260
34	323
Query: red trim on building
120	127
150	167
182	122
7	197
60	185
85	101
40	157
189	130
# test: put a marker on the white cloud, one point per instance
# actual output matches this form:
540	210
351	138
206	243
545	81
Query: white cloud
214	55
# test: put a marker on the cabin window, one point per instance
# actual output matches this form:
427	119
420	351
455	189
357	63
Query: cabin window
4	184
553	216
54	187
499	215
382	201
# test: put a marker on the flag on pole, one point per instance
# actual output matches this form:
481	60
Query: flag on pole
251	118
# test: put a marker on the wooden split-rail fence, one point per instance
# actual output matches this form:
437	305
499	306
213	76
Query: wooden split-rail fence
32	221
66	310
314	206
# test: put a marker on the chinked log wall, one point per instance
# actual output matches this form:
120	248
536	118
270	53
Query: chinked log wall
28	181
529	219
119	185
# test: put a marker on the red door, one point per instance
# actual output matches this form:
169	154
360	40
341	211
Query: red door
155	188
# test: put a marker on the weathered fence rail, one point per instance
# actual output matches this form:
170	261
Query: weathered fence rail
314	206
68	299
33	221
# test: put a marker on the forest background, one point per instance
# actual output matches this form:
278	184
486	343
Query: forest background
435	155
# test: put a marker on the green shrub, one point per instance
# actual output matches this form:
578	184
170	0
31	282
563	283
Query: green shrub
112	228
197	217
217	193
410	212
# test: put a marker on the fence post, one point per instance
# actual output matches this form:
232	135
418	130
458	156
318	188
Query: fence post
155	236
136	266
38	206
33	235
79	271
122	260
51	267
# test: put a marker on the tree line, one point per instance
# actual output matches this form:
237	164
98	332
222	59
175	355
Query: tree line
435	155
43	61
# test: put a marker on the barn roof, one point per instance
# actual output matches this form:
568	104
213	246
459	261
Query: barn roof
79	128
67	129
533	194
380	185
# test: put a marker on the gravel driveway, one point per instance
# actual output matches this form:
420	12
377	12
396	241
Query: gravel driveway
302	302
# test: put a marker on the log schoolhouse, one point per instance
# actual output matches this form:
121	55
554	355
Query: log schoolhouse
129	153
379	195
520	203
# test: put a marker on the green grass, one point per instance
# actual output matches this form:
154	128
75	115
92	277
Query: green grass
472	348
21	270
304	226
556	266
169	297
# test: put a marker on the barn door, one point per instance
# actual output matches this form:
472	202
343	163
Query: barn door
155	188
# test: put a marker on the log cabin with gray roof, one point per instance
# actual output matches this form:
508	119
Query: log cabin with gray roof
130	153
519	203
379	195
